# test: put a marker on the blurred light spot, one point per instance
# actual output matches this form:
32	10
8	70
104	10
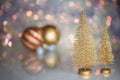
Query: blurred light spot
71	37
76	20
9	36
108	18
31	4
37	2
71	3
108	23
1	12
97	72
35	17
14	17
5	23
29	13
88	3
10	44
20	57
51	35
101	2
40	12
49	17
25	0
5	42
114	1
20	35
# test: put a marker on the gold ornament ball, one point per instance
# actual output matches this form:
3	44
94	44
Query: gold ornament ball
84	71
51	34
105	71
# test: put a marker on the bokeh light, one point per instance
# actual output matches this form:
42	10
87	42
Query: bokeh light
29	13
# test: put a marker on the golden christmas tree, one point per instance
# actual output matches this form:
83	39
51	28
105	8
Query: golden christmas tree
84	48
105	52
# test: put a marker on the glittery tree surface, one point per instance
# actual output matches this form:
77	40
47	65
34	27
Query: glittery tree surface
84	52
105	51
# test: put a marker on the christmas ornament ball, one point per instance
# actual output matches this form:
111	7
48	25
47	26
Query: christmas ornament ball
51	34
32	37
33	65
51	60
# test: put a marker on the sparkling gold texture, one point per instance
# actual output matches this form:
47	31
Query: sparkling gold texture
84	48
105	51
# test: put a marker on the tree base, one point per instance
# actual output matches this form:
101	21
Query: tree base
105	71
84	71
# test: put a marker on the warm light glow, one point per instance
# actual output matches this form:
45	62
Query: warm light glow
6	42
71	4
5	23
71	37
35	17
10	44
37	2
20	35
29	13
9	36
97	72
32	5
40	12
108	23
49	17
76	20
101	2
108	18
88	3
14	17
51	36
25	0
51	61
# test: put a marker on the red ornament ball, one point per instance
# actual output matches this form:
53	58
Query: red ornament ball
33	65
32	38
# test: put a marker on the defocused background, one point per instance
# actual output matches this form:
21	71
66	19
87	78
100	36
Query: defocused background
17	15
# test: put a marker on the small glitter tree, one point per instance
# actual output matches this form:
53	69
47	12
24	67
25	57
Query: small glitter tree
84	47
105	52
